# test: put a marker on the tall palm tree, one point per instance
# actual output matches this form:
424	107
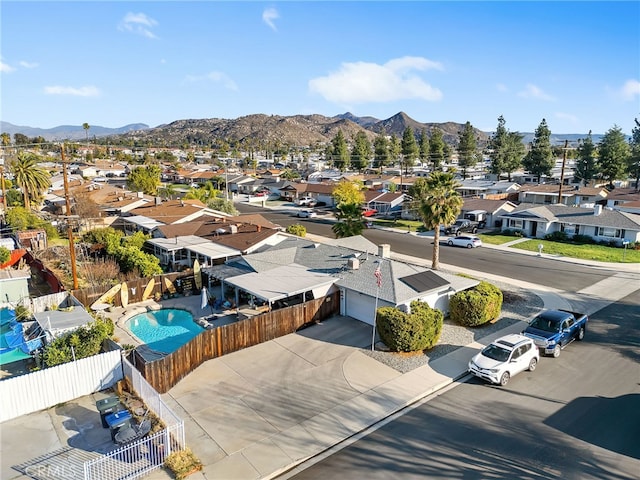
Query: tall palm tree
86	127
30	177
438	203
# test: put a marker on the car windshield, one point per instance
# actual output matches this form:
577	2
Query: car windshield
545	324
495	352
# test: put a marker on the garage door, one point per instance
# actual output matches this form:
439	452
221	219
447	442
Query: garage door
359	306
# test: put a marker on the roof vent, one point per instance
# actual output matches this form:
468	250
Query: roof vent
233	228
597	210
353	264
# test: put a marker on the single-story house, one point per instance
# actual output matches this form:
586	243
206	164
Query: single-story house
14	284
296	270
572	196
494	209
624	199
383	202
599	223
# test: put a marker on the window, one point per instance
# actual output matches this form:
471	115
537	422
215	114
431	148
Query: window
609	232
568	228
515	223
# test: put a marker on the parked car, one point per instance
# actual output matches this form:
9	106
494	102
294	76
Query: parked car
552	330
262	193
307	213
461	226
468	241
505	358
307	201
369	213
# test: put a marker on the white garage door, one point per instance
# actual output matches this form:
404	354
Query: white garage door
359	306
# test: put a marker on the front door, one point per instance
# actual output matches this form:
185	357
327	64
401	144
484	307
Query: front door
534	228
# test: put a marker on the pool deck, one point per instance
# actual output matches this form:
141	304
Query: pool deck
190	303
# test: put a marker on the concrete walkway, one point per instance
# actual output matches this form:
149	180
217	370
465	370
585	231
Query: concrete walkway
259	412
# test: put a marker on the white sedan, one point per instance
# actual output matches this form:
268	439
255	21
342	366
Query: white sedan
504	358
307	213
468	241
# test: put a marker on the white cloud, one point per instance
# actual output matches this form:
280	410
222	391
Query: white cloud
6	68
268	17
630	90
532	91
363	82
138	23
501	87
89	91
26	64
566	116
216	77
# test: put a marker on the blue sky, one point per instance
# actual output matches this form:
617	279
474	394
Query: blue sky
576	64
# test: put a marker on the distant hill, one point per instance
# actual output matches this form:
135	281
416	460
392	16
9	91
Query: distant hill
259	129
68	132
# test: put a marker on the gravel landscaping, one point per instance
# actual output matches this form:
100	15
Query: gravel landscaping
518	305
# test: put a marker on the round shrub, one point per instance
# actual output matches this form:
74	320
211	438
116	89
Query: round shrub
297	229
476	306
409	332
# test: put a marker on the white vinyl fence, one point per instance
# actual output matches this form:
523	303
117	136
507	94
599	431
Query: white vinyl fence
141	457
45	388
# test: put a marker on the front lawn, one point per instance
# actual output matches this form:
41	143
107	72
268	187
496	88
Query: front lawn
600	253
407	225
496	238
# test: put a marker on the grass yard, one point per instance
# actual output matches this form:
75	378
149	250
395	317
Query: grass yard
598	253
408	225
496	238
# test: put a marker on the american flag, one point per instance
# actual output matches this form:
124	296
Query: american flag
378	274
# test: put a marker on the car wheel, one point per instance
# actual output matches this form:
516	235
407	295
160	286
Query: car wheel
474	230
457	233
580	334
556	351
533	364
504	379
469	245
450	243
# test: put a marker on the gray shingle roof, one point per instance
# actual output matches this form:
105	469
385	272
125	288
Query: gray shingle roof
578	216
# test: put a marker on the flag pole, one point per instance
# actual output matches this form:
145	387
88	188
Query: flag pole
375	311
378	274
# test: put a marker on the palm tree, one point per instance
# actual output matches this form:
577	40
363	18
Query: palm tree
30	177
438	203
86	130
349	223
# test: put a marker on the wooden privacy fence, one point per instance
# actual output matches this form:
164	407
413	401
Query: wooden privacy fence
164	373
136	287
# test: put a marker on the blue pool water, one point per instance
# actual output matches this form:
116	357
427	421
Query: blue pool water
164	330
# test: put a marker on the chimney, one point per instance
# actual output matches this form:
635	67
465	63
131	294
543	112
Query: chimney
158	200
597	210
384	250
353	264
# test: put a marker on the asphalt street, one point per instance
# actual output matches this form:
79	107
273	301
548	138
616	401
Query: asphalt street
575	417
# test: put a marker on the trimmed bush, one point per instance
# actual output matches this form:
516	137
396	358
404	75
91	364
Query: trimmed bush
583	239
297	229
557	237
476	306
409	332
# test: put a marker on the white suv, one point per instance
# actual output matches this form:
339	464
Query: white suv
504	358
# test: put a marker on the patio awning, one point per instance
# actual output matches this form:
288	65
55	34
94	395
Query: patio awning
57	322
280	282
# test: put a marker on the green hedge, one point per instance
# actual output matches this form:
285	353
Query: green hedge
476	306
409	332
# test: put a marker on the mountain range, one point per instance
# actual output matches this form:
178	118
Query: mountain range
300	130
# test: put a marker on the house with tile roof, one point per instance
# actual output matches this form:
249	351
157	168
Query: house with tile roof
150	216
601	224
210	241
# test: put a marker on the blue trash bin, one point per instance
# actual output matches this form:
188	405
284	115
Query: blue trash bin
118	420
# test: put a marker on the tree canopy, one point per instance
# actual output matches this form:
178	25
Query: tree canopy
468	154
586	167
613	153
145	179
539	161
438	203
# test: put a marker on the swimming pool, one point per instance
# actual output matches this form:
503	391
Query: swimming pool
164	330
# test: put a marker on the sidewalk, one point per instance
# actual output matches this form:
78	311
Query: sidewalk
269	408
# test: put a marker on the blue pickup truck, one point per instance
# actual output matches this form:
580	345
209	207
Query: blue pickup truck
552	330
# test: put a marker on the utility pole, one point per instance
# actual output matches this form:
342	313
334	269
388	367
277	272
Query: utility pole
72	247
564	161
